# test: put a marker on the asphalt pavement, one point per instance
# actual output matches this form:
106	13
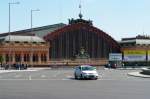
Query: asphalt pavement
60	84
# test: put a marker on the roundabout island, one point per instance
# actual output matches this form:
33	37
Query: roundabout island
144	73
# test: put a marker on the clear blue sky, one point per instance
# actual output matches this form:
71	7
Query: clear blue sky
119	18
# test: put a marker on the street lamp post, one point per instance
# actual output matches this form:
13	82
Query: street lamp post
31	55
9	31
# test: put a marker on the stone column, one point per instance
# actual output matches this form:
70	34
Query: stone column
4	57
22	58
31	58
13	57
47	56
39	58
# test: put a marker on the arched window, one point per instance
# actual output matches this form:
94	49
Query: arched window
26	57
7	58
18	57
43	57
35	57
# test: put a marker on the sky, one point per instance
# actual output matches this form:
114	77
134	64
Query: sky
118	18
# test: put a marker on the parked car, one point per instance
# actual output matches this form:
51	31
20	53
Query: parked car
85	72
112	65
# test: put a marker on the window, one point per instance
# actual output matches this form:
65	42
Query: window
43	57
26	57
35	58
18	58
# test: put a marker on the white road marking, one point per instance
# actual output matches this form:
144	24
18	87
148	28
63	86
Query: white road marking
105	79
17	76
58	73
69	76
66	79
43	76
30	78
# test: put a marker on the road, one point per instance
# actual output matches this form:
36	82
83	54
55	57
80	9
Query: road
60	84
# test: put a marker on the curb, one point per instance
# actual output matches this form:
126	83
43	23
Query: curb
39	68
10	71
25	70
122	68
138	74
129	68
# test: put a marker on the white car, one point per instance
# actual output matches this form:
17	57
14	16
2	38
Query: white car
85	72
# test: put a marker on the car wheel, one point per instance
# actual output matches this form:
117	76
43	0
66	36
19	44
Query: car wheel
75	76
81	76
96	78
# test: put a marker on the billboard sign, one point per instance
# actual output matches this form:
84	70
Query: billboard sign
148	56
134	55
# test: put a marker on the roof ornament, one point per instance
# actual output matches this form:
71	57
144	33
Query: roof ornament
80	19
80	7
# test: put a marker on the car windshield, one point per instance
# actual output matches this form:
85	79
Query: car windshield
88	68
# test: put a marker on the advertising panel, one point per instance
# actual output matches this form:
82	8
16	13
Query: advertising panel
134	55
148	56
115	57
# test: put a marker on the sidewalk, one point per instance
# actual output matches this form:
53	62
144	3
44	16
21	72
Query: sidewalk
130	68
120	68
29	69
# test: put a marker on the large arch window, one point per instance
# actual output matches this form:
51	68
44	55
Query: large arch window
66	42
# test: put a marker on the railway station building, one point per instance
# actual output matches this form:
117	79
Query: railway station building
78	42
